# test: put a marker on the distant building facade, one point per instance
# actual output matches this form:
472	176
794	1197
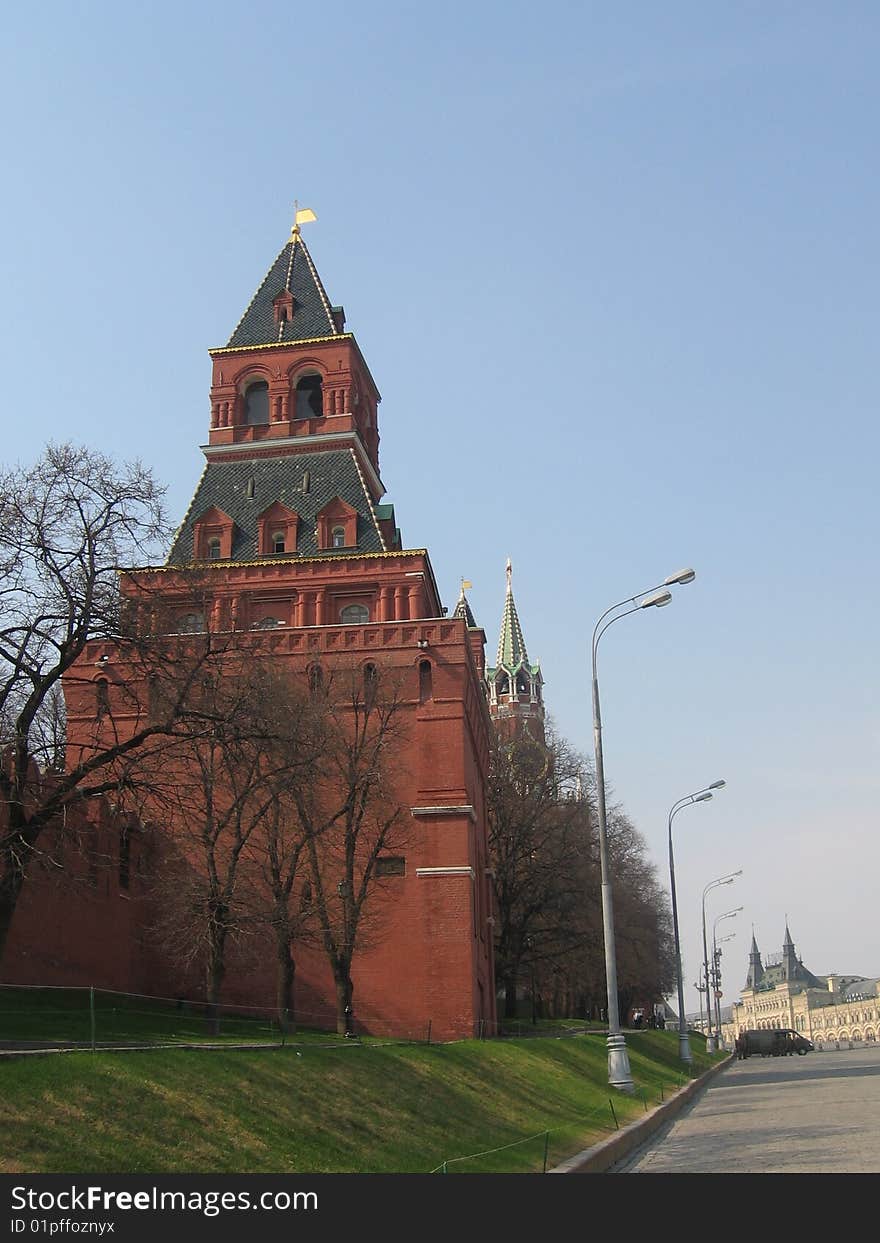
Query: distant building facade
827	1009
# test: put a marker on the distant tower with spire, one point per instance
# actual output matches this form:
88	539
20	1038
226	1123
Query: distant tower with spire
756	967
515	686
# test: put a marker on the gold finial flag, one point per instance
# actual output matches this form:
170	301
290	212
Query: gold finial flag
465	582
301	215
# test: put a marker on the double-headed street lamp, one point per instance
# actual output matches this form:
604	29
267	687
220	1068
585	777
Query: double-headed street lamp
718	919
722	880
619	1073
699	796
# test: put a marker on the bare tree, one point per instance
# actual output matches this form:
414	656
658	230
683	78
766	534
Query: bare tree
539	836
642	918
277	871
66	525
222	790
349	816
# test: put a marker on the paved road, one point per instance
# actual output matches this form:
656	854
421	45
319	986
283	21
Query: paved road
775	1115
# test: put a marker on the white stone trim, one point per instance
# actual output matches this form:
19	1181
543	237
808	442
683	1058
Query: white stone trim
447	809
468	871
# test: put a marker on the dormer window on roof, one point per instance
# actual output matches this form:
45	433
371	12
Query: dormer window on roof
277	529
283	306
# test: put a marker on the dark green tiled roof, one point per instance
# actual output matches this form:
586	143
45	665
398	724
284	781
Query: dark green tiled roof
225	485
294	271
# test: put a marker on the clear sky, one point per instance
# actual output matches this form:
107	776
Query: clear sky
615	271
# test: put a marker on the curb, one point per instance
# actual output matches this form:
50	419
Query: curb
599	1158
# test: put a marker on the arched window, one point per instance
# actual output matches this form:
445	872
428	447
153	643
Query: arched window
214	548
371	684
354	615
256	403
337	535
316	681
154	697
426	681
278	541
502	685
102	698
309	397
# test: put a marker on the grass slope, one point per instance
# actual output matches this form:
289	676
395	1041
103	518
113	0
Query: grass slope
365	1108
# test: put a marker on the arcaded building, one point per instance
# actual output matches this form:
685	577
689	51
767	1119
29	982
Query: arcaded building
783	993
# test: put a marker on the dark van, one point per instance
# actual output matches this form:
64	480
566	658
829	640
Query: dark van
772	1042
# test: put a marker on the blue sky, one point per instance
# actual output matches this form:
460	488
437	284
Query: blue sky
614	269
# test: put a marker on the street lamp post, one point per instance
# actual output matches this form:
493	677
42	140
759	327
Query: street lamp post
721	941
619	1073
716	975
699	987
699	796
722	880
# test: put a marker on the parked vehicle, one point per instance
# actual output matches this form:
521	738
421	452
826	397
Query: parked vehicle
772	1042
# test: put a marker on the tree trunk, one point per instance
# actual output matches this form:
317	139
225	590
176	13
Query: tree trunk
216	970
284	985
510	996
10	887
344	994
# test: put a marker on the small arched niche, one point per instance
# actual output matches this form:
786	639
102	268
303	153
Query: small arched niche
426	681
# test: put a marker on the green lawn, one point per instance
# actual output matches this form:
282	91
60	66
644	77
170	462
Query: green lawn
356	1107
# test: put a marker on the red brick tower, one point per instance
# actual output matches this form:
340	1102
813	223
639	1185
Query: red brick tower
290	535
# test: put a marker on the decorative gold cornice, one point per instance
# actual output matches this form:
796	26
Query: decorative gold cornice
280	345
188	566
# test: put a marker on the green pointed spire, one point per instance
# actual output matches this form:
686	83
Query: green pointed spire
511	644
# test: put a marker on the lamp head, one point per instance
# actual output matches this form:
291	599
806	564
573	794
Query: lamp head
682	577
702	798
717	785
657	600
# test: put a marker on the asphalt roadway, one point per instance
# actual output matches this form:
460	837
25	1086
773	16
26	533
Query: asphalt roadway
816	1113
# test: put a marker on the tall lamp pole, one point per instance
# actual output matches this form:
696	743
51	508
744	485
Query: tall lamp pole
722	880
721	941
619	1073
699	987
699	796
716	974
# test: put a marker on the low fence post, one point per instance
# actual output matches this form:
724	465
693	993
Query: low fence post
92	1014
546	1148
614	1115
428	1041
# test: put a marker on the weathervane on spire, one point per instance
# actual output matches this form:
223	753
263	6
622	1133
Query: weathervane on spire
509	577
465	582
301	215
